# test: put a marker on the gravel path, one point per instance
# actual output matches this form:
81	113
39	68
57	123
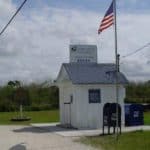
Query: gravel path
30	138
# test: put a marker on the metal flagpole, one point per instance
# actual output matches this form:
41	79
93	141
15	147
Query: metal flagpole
116	57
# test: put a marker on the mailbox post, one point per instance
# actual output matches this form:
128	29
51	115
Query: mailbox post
110	117
106	117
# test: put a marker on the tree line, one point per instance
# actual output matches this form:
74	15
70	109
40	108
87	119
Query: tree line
36	97
33	97
138	92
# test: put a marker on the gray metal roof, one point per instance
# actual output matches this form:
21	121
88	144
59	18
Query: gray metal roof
93	73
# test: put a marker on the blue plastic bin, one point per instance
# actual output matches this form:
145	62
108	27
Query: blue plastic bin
134	114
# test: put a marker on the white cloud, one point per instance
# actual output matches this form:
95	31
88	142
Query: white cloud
6	10
6	7
34	47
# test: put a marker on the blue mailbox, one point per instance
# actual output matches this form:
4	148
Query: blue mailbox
134	115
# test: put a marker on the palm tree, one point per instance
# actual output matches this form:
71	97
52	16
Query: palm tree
11	83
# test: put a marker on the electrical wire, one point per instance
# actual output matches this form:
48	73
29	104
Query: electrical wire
11	19
137	50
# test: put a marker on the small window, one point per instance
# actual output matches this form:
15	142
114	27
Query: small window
94	96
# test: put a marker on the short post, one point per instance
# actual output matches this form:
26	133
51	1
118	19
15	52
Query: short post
21	111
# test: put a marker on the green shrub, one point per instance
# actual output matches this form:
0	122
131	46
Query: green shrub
34	97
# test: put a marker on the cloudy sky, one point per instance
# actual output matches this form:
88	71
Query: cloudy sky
37	42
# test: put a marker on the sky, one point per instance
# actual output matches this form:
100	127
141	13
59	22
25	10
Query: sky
35	45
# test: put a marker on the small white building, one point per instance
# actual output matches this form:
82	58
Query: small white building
85	86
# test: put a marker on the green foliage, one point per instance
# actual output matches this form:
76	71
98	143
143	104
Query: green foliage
21	96
33	97
138	92
43	98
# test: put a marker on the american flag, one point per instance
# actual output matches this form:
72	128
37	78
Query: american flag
108	19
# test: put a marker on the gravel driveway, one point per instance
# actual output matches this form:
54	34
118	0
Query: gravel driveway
31	138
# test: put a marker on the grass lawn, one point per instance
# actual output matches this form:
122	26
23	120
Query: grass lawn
139	140
43	117
147	118
36	117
